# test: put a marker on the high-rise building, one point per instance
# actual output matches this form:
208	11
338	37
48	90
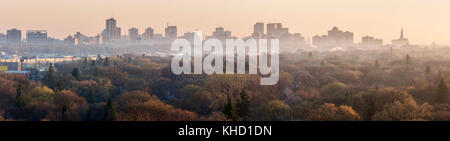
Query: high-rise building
272	28
13	36
258	30
148	34
112	32
134	34
171	32
371	42
340	38
221	34
335	38
37	37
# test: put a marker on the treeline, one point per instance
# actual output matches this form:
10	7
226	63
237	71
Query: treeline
369	85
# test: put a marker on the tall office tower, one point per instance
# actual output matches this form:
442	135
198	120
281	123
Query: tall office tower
37	37
134	34
112	32
258	30
13	36
171	32
273	28
148	34
111	23
221	34
198	34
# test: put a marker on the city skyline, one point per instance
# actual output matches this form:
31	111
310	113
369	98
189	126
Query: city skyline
113	32
381	19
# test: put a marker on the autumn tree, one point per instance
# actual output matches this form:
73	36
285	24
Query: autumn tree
92	63
41	95
330	112
63	112
76	73
129	60
90	98
230	110
244	105
275	110
49	78
72	106
197	99
8	91
141	106
106	63
406	110
59	85
442	92
110	111
334	93
408	59
377	64
20	100
428	71
428	75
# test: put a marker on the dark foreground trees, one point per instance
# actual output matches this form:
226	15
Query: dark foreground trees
323	86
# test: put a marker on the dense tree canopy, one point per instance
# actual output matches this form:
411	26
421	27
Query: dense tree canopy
324	86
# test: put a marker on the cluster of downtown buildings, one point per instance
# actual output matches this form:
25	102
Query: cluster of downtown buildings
112	36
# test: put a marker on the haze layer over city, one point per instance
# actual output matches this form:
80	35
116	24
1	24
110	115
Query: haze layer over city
110	60
424	21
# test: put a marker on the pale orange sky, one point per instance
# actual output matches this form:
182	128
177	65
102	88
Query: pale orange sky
424	21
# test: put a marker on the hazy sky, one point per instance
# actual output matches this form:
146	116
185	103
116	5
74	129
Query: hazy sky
424	21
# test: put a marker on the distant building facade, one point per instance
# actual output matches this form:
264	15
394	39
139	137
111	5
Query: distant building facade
371	42
171	32
148	34
401	42
13	36
112	32
221	34
258	30
335	38
37	37
133	33
69	40
10	66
